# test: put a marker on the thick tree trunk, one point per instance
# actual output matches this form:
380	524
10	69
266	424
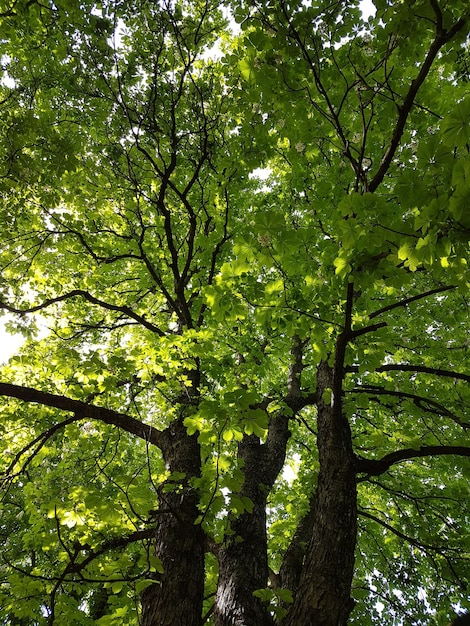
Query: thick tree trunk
243	561
243	568
292	564
176	600
323	594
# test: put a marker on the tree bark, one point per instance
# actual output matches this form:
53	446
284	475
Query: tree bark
323	594
176	599
243	568
292	563
243	561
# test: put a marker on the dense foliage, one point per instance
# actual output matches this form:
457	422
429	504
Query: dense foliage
245	228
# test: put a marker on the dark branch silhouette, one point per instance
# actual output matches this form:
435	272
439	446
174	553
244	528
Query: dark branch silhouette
374	467
441	38
404	367
406	301
423	403
83	411
89	298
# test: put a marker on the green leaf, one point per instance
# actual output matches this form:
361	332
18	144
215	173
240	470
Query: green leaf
117	587
155	564
456	126
343	267
246	69
143	584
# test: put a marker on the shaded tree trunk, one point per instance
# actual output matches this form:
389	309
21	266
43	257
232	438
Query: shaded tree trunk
292	563
243	568
323	594
176	600
243	561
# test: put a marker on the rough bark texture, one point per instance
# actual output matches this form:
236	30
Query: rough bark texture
323	594
291	568
243	562
177	598
243	568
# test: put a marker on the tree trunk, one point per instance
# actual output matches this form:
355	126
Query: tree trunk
292	563
176	600
243	561
243	568
323	594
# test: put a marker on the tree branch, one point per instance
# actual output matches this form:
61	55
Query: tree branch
84	411
401	535
366	329
39	442
86	296
423	403
76	568
294	385
376	467
291	567
402	367
406	301
441	38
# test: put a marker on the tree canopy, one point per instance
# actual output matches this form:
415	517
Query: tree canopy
245	227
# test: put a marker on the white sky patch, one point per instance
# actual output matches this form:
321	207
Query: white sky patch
261	173
291	470
9	344
368	9
379	607
5	79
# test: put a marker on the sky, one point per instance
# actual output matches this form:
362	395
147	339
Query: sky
9	344
367	7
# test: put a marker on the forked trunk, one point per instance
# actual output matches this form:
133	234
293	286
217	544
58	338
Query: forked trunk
243	558
322	597
243	568
323	594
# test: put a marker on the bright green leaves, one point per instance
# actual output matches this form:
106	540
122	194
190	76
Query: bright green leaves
241	398
410	254
70	507
121	246
256	423
229	417
238	505
366	237
342	267
224	304
276	598
246	69
222	424
234	269
208	212
434	192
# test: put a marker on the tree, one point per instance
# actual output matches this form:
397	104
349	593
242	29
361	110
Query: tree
245	227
